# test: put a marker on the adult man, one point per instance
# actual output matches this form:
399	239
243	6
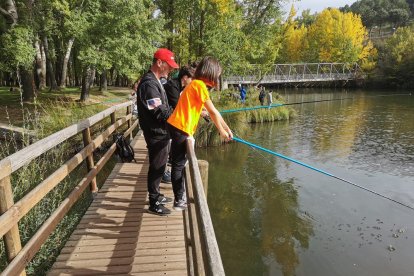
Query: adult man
153	112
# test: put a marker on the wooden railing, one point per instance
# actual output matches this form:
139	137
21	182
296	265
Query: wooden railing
12	213
204	255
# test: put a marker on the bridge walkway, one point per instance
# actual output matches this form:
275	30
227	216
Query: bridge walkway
117	235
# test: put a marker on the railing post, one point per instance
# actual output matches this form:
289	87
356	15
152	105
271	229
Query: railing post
12	238
129	121
203	166
113	119
89	160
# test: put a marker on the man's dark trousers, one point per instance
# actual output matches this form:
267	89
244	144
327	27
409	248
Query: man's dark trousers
158	156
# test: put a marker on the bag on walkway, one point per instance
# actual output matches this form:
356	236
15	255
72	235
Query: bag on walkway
124	149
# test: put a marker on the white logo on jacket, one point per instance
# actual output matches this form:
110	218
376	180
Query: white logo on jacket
153	103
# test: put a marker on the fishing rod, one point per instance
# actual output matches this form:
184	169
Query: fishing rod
238	139
304	102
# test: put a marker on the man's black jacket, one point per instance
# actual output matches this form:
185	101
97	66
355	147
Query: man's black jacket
153	108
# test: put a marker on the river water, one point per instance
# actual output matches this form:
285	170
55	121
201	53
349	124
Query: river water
274	217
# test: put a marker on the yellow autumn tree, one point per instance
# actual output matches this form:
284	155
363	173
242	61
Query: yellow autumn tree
339	37
294	40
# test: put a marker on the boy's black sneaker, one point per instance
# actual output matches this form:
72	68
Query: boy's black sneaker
180	205
163	199
159	209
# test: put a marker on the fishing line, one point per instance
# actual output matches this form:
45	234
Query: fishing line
295	103
257	151
238	139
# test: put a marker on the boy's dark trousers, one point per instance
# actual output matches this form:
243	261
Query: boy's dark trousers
178	160
158	156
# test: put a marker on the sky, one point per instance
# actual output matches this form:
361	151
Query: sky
315	5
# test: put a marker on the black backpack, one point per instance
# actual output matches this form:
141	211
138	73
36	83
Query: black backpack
123	148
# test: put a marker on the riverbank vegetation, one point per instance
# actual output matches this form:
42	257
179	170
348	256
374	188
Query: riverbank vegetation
238	122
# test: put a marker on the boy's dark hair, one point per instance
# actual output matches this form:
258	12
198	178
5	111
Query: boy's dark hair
187	70
208	69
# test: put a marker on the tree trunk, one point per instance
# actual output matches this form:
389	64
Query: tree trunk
9	13
92	77
49	66
40	70
104	82
85	84
65	63
201	33
170	25
27	82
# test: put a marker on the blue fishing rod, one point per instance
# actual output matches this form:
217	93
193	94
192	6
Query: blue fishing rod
295	103
254	146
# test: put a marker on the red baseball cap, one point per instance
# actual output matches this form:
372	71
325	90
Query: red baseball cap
167	56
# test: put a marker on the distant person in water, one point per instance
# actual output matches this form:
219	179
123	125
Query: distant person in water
269	98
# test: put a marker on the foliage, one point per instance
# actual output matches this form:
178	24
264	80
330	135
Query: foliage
238	33
333	36
397	58
380	12
16	49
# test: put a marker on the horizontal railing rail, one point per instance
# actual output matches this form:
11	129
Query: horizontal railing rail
12	213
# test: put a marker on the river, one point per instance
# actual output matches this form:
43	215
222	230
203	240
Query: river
274	217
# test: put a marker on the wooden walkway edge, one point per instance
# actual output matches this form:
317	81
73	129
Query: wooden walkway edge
117	236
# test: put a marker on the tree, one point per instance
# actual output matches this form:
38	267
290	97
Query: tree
16	44
338	37
397	58
306	18
293	40
119	37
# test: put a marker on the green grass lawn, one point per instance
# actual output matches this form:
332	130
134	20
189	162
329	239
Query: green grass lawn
14	110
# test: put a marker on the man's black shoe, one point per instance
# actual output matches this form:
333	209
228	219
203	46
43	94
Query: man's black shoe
159	209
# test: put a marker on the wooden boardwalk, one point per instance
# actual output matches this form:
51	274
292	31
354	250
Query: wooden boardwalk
117	235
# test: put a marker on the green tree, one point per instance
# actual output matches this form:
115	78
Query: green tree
16	40
397	58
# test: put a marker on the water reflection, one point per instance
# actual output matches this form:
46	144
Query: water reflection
273	217
255	212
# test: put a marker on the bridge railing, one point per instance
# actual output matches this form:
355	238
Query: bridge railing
308	72
12	212
203	251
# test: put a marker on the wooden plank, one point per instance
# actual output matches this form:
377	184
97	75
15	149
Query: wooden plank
127	246
119	271
134	269
116	253
26	155
120	240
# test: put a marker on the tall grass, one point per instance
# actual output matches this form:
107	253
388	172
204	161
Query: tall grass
48	118
207	134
